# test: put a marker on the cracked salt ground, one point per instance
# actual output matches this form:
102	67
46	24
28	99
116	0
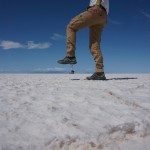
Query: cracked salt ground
52	112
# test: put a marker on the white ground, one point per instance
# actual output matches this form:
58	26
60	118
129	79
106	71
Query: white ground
53	112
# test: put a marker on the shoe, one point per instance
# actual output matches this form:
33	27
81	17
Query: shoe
68	60
97	76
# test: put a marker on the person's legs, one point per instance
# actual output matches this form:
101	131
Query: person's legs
96	24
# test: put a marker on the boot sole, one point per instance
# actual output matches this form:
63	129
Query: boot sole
96	79
72	63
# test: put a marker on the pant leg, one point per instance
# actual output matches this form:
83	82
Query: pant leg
95	39
84	19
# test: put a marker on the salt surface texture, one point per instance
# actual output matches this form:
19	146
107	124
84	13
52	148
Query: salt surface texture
53	112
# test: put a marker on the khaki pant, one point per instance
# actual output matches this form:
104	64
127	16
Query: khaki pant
96	24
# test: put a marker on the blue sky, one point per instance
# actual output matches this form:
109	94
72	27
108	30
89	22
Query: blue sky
33	32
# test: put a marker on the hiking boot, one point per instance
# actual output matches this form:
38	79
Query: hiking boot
97	76
68	60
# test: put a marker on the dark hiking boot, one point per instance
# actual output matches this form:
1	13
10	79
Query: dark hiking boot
68	60
97	76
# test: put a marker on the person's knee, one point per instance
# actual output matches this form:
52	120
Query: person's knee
71	27
74	25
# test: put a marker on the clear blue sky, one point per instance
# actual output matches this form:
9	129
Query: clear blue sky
32	36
